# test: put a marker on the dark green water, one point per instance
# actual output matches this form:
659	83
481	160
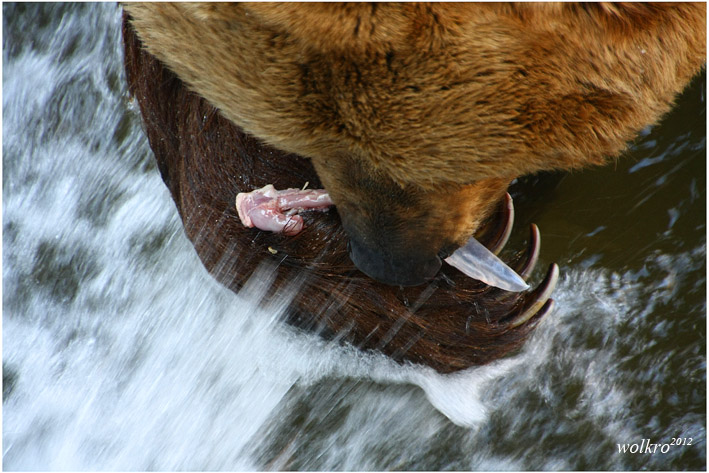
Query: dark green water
653	198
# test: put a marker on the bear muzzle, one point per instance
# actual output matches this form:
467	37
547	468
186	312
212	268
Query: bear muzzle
396	268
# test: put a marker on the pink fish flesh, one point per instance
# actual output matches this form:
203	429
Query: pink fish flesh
277	211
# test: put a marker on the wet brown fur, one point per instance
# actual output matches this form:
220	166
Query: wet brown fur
440	105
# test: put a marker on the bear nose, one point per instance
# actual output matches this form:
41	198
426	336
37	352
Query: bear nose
396	268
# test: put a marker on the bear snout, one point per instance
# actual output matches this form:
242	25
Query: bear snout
395	267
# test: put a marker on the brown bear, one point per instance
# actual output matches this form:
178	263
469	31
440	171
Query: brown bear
415	118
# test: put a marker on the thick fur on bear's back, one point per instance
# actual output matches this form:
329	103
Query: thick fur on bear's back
459	92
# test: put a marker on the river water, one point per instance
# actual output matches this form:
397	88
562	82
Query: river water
121	353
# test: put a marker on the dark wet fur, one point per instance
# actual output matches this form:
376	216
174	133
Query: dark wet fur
449	324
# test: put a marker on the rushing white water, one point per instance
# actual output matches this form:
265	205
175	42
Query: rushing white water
121	353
